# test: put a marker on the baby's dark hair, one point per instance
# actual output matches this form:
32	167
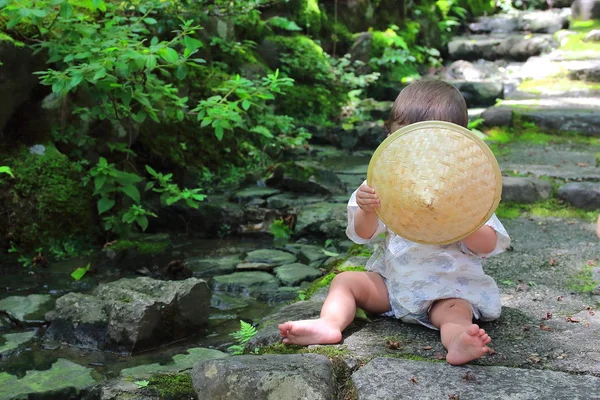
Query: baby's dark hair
428	100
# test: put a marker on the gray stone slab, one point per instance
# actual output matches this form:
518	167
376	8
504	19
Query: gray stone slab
388	378
562	114
268	377
557	160
524	190
27	309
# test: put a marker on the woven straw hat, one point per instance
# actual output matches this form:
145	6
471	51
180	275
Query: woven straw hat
436	181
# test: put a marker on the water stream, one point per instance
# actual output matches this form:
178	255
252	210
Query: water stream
56	281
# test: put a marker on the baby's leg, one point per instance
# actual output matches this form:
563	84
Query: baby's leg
463	339
348	290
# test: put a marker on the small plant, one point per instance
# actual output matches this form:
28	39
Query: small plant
170	193
142	383
281	231
242	337
28	260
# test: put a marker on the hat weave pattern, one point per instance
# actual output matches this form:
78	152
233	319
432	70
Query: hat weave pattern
436	181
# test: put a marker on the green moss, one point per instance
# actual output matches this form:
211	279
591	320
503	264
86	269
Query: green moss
547	208
381	41
528	132
173	386
539	86
583	281
142	247
281	348
360	250
302	58
46	203
317	95
312	103
574	42
309	15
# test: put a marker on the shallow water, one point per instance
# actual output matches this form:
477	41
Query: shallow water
56	281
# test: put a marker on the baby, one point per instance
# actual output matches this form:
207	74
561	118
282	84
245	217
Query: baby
441	287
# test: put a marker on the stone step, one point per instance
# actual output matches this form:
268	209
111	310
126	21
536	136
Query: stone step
547	21
511	46
560	114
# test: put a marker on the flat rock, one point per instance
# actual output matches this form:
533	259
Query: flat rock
247	283
63	380
293	377
525	190
385	378
28	310
563	114
570	161
581	194
11	341
269	256
494	46
179	363
294	274
205	267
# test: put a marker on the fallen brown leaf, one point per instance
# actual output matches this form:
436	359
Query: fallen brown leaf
572	319
582	164
545	327
548	316
591	263
414	380
491	351
453	396
427	347
392	344
469	376
560	298
553	261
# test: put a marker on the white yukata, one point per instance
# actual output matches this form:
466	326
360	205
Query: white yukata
417	274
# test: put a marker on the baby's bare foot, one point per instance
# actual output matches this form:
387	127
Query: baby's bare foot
309	331
468	345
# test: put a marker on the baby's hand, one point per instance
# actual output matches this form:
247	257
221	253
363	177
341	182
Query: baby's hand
366	198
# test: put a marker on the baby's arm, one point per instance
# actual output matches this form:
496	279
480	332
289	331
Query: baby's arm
366	220
482	241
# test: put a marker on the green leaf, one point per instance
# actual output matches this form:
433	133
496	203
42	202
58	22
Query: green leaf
284	23
169	55
219	132
361	314
150	21
151	62
142	221
139	117
330	253
191	44
246	104
105	204
99	182
132	192
6	170
99	4
198	60
261	130
180	72
100	74
80	272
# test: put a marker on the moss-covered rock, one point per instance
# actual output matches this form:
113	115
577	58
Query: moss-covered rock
317	95
46	203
